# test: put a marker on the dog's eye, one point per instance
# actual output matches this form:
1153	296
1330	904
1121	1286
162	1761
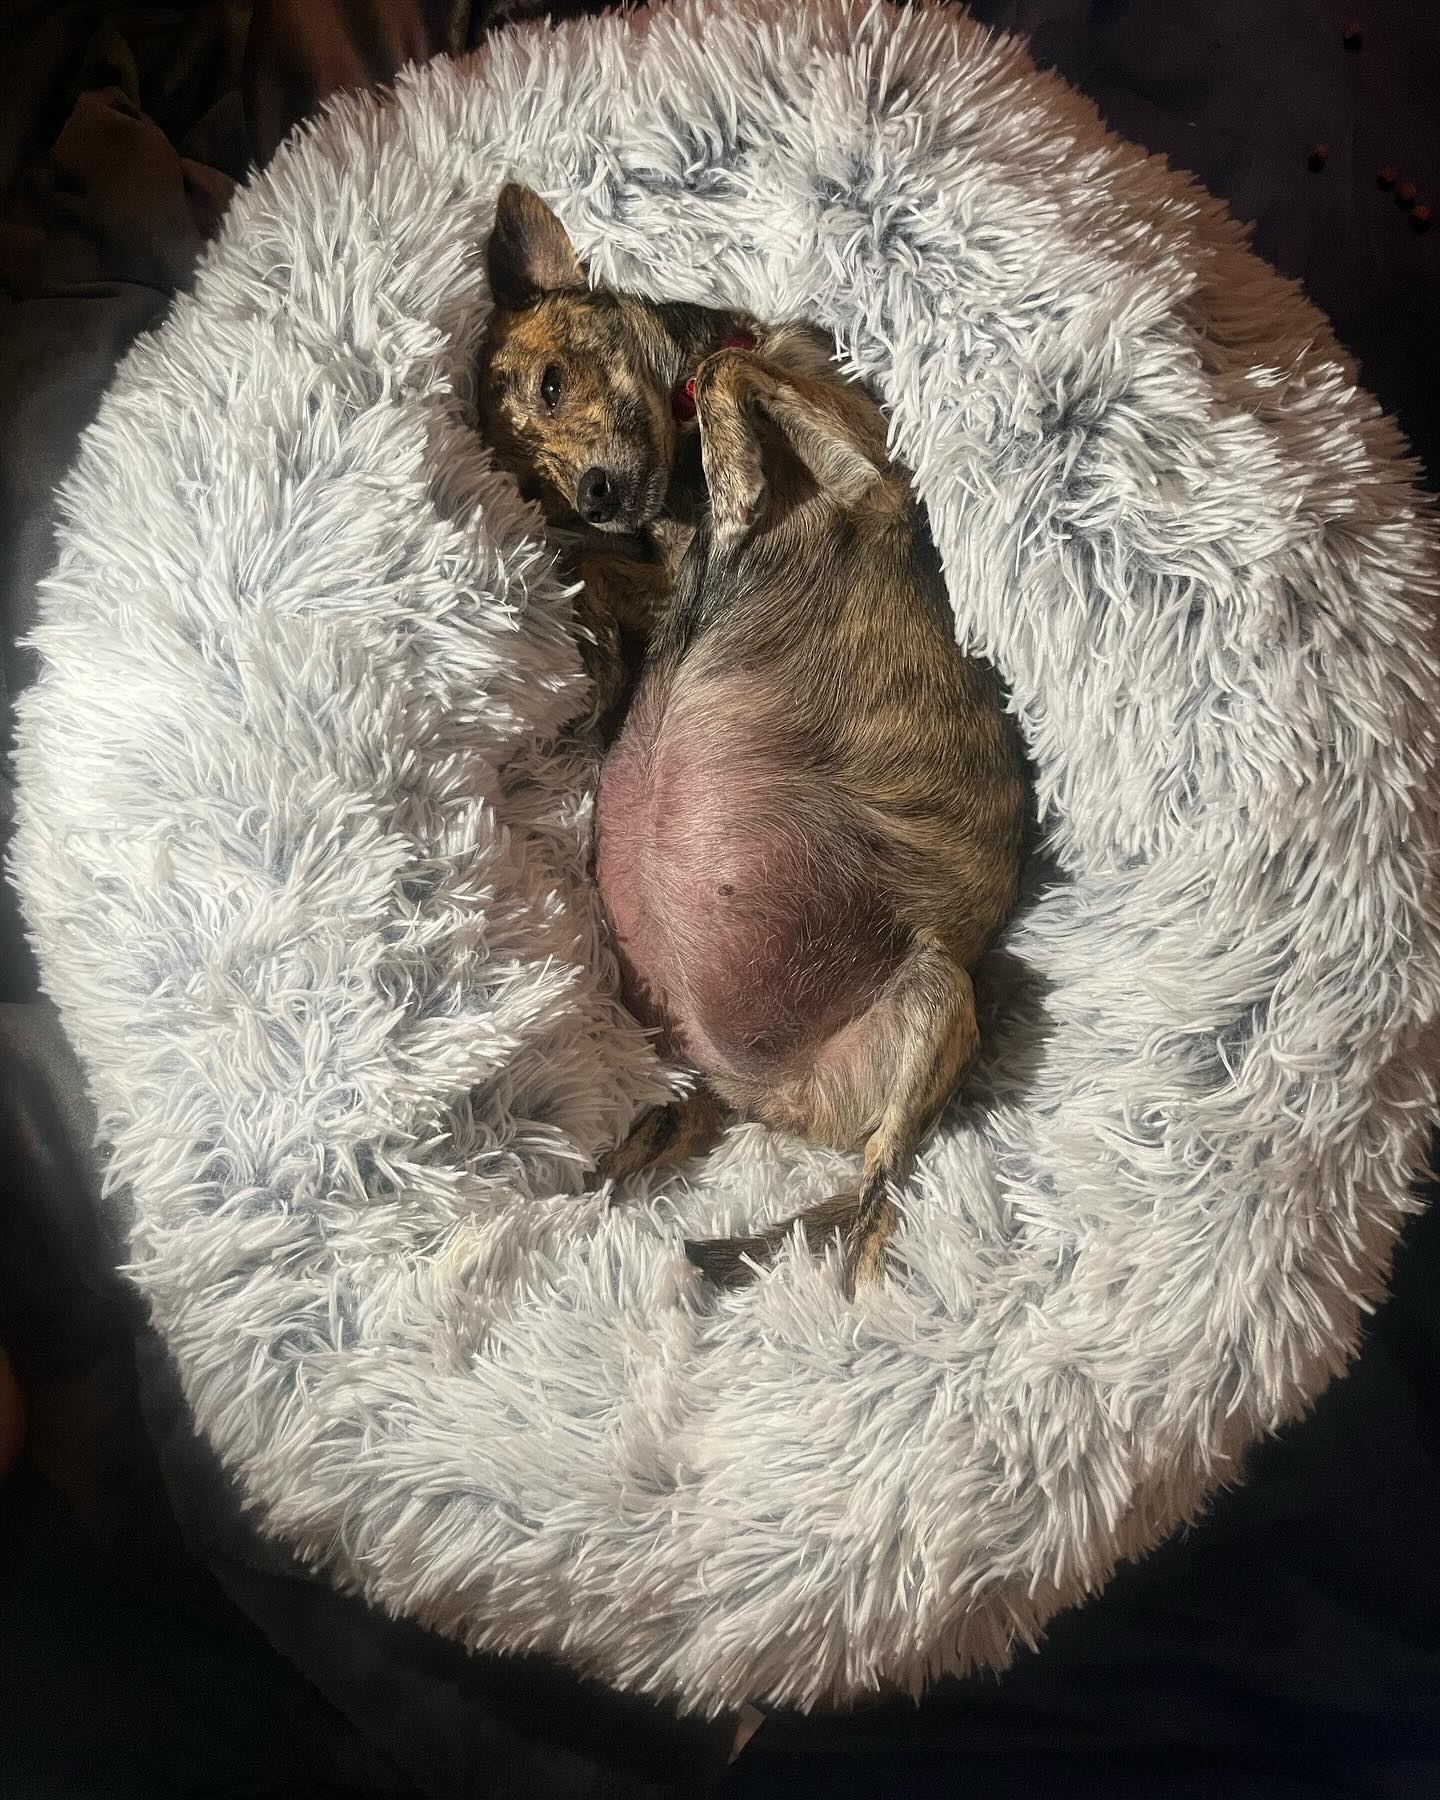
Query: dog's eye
550	388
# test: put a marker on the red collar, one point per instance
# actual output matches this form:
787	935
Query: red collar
682	401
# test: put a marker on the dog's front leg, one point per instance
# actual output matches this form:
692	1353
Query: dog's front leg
665	1136
834	430
615	613
627	589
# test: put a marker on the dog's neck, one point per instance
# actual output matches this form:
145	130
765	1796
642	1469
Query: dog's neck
681	336
685	499
688	334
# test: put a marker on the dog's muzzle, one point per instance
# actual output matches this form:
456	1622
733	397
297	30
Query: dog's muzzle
597	496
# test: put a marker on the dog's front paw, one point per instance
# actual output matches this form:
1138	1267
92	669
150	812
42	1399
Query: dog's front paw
729	448
737	493
670	539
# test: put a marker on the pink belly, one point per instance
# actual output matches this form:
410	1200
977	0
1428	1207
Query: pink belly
744	923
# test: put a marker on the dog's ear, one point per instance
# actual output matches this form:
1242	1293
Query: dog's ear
530	252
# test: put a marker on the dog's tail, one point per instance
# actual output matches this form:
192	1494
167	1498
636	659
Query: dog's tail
863	1221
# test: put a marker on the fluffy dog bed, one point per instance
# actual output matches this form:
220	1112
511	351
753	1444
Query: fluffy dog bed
304	838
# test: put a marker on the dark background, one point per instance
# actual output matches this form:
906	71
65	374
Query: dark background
150	1645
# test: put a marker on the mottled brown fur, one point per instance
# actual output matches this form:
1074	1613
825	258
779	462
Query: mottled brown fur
809	826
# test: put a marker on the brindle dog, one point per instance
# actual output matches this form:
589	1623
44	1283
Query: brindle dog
809	827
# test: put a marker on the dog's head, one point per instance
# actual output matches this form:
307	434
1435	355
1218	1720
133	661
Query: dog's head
576	383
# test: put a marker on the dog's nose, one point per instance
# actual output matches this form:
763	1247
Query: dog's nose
596	500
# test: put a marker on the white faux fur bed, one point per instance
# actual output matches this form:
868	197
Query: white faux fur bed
304	862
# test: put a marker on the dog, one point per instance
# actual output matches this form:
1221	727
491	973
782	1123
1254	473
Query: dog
809	824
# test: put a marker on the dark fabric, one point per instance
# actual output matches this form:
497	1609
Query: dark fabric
150	1644
114	1687
300	53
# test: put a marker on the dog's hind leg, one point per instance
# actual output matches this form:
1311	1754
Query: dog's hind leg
882	1080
